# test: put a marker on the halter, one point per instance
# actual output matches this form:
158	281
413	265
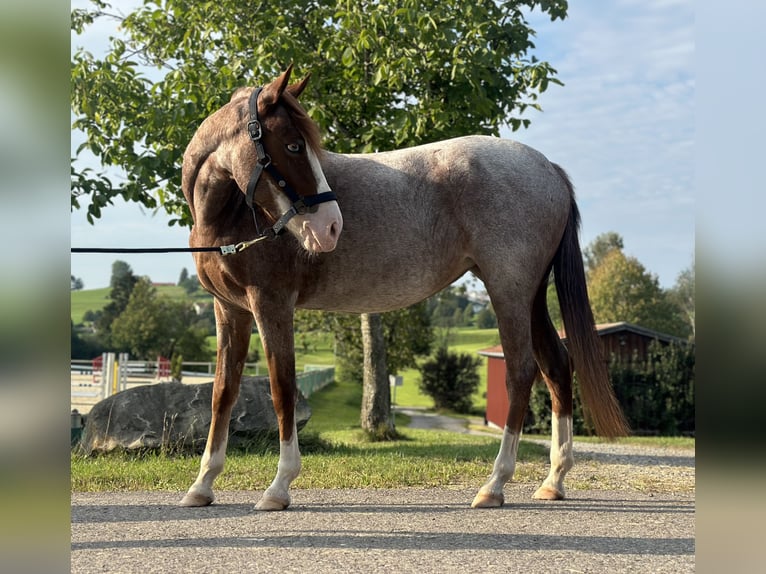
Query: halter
300	204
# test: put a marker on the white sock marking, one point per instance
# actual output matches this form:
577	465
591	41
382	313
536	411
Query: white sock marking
505	464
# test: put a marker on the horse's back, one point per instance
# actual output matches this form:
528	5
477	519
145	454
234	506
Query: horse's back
475	167
488	187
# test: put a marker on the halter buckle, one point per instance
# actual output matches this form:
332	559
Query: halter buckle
254	129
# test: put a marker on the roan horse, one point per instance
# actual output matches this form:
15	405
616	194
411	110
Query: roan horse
413	221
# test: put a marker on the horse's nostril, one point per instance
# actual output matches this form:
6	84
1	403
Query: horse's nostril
334	229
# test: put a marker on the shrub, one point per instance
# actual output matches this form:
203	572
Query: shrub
656	395
450	379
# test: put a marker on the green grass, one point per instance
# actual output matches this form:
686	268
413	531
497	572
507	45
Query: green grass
88	300
336	454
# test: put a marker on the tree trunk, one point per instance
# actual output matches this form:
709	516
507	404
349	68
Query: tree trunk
376	398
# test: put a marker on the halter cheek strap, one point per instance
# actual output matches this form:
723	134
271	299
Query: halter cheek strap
299	204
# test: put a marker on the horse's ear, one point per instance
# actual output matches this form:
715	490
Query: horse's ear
271	92
295	90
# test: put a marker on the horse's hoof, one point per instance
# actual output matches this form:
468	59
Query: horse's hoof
197	499
269	503
548	493
484	500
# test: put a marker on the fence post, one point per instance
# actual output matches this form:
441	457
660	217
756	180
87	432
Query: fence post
123	371
107	374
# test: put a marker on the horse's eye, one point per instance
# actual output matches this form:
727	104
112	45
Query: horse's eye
293	147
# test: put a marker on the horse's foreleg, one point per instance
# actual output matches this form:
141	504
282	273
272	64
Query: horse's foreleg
233	336
278	345
521	372
552	358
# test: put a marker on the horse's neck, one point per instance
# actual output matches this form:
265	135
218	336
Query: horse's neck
220	207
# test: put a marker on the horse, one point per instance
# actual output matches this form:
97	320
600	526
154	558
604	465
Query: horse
369	233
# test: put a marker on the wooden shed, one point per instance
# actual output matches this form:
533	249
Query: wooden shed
623	340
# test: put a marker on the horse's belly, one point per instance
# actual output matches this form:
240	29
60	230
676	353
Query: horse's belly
377	291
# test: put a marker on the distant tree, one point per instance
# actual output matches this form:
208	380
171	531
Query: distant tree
600	247
205	318
253	355
621	289
83	346
447	307
468	316
152	325
683	295
76	283
190	284
91	316
407	334
183	276
122	282
486	318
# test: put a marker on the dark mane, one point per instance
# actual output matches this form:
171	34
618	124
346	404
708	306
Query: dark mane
308	128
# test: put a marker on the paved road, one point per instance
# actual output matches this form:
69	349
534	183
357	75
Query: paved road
383	531
397	531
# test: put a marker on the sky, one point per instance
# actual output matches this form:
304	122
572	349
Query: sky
622	126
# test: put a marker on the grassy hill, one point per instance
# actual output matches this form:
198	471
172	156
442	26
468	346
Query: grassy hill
96	299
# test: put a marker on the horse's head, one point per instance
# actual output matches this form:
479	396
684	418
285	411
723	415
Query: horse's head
293	191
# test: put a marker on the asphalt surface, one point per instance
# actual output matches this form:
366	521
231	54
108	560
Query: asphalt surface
382	531
395	531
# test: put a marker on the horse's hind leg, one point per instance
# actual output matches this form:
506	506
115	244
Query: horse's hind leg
233	336
553	361
521	370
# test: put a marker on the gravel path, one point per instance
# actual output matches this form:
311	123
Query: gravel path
613	465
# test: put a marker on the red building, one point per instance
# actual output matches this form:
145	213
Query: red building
623	340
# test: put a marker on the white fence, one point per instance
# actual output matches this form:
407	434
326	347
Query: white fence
111	373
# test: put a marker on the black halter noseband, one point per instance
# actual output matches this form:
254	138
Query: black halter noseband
300	204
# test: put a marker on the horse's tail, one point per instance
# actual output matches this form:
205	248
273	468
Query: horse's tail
583	344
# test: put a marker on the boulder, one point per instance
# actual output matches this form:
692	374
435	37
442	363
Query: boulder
176	416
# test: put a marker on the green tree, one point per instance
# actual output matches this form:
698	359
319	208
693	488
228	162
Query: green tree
190	284
76	283
83	346
683	295
183	276
385	75
407	335
121	282
600	247
152	325
621	289
486	318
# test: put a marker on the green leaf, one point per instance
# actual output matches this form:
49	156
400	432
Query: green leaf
348	57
